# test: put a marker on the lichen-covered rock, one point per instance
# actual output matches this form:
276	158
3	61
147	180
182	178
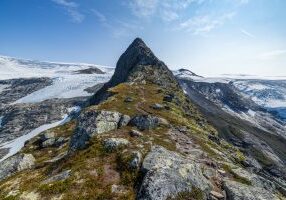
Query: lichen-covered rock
145	122
239	191
255	180
58	177
168	173
15	164
124	120
48	143
93	122
111	144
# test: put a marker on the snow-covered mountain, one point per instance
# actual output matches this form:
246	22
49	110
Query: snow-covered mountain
69	79
267	91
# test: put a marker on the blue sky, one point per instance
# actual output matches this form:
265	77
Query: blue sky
209	37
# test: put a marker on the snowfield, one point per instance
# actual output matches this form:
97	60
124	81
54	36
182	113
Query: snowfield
66	82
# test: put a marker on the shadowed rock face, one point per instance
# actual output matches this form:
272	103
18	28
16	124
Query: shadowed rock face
138	64
138	58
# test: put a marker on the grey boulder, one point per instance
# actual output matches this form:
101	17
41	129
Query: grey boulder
93	122
111	144
168	173
145	122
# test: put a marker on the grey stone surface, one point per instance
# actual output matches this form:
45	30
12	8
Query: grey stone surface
255	180
145	122
124	120
168	173
239	191
93	122
157	106
15	164
111	144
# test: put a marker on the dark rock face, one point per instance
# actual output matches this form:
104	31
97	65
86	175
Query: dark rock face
138	64
91	70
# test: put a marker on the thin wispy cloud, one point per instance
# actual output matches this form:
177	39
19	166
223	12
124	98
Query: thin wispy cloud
200	25
72	9
101	17
246	33
273	54
167	10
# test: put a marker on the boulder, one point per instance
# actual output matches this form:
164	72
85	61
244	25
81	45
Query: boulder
145	122
47	135
111	144
157	106
167	173
48	143
15	164
128	99
124	120
93	122
239	191
168	97
135	133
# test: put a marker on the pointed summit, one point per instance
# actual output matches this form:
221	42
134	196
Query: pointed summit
138	64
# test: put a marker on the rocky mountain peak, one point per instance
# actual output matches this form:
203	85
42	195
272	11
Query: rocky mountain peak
138	63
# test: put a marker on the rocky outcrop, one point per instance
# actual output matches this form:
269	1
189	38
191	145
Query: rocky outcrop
90	70
93	122
239	191
167	174
145	122
15	164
